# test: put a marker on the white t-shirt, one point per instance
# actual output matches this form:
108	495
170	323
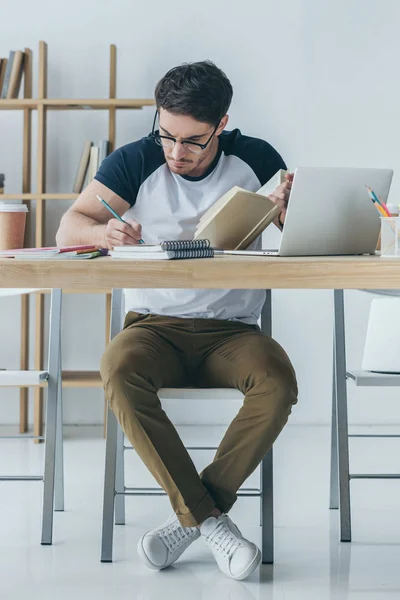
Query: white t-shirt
169	206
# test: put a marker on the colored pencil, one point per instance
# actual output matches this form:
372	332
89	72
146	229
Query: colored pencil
380	205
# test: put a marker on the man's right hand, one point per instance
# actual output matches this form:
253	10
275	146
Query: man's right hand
118	233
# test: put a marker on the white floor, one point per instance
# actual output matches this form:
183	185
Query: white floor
310	562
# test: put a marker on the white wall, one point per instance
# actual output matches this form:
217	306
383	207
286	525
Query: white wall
318	80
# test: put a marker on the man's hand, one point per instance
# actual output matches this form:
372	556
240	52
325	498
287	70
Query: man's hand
118	233
281	196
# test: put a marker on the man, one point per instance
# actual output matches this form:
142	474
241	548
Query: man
163	184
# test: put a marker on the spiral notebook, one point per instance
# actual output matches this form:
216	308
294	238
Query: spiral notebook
177	249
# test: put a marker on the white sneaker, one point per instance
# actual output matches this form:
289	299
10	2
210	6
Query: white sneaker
161	547
235	556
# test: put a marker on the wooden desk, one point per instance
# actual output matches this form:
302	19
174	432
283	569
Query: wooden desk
240	272
337	273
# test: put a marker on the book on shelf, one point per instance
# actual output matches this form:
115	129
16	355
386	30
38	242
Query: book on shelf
16	74
52	252
82	168
178	249
7	75
91	159
104	151
93	162
3	67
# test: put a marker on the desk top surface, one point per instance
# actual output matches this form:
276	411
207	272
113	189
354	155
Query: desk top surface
226	272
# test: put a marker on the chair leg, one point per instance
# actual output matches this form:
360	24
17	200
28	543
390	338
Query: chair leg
267	509
51	417
334	487
59	480
120	480
109	488
111	448
341	415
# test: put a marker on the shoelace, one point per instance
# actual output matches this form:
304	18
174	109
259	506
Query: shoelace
174	535
224	540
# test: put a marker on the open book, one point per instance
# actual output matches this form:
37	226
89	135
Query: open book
239	216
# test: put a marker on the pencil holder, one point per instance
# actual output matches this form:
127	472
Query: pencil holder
390	236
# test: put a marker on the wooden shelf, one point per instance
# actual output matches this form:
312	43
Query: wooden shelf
70	379
96	103
42	105
79	379
44	196
91	291
76	103
18	103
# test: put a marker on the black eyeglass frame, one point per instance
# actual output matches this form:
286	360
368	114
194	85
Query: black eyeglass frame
155	135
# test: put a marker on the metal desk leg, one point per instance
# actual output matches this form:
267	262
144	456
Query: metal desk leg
59	476
267	509
267	495
341	415
334	491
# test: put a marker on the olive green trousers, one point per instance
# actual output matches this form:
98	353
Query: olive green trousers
154	352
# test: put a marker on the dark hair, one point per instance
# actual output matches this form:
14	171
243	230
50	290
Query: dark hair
200	90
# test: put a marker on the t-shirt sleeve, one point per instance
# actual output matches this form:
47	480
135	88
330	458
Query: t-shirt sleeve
258	154
267	162
115	174
263	159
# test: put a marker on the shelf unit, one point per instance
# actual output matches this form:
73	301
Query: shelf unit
40	196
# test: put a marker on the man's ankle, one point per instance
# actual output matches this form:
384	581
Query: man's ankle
214	513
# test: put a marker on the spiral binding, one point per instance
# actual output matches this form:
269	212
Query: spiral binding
195	253
185	244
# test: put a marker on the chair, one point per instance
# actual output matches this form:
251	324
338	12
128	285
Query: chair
340	471
53	491
114	484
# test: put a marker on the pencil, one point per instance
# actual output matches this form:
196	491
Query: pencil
378	202
381	210
385	207
116	215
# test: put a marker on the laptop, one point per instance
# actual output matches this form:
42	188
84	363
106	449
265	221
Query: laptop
330	213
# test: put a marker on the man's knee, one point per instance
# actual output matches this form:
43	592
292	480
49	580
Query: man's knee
281	385
275	379
124	372
112	363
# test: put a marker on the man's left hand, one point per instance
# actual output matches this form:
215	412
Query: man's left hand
281	196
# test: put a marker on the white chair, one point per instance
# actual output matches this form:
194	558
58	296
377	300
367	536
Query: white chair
115	490
53	491
340	471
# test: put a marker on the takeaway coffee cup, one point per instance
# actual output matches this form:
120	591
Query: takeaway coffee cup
12	225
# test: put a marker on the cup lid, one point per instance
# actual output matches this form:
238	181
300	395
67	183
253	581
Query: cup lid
4	207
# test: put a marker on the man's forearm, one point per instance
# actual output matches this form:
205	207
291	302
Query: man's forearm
76	228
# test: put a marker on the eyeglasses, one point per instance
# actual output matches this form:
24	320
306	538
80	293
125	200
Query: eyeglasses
169	142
